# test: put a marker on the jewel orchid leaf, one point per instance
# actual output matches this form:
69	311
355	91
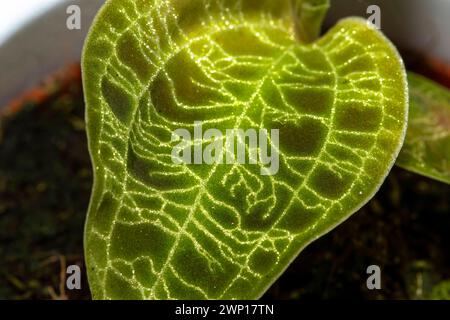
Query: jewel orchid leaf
161	229
427	144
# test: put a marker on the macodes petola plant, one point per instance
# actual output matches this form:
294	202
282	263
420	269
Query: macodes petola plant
161	229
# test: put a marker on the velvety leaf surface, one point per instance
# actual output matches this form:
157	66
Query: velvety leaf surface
157	230
427	145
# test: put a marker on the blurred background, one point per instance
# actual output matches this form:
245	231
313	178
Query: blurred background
16	14
45	172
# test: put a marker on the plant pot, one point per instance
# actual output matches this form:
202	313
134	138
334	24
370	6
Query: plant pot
42	47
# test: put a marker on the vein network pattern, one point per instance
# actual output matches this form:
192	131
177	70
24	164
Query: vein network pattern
157	230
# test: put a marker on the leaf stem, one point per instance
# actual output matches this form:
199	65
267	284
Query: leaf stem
308	18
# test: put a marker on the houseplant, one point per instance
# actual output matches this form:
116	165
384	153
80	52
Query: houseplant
163	229
335	265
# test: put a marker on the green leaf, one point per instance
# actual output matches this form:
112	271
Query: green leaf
427	145
308	18
441	291
158	230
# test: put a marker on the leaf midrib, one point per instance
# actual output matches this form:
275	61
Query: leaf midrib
206	181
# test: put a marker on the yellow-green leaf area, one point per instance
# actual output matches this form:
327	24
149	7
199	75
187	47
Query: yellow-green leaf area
427	144
160	230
